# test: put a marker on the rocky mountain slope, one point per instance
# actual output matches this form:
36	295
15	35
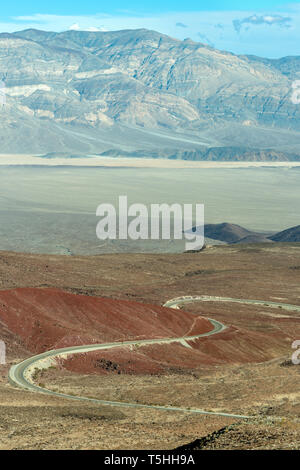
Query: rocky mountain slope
139	90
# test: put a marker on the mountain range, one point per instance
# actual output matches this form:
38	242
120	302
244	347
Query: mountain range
142	93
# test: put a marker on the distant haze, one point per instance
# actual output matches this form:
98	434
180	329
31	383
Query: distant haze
52	210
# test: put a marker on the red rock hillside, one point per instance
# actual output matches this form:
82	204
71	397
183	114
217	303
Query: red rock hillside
44	319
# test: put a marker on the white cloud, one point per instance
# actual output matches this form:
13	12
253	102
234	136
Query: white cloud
77	27
74	27
282	21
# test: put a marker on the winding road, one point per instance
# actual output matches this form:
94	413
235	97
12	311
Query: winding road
22	374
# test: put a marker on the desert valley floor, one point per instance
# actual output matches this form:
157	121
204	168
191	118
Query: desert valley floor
52	301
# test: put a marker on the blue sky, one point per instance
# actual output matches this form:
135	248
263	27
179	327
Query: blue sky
267	28
65	7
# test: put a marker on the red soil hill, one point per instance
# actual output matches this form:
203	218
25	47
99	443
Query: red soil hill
50	318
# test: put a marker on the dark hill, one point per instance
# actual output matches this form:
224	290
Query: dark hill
229	233
254	238
289	235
